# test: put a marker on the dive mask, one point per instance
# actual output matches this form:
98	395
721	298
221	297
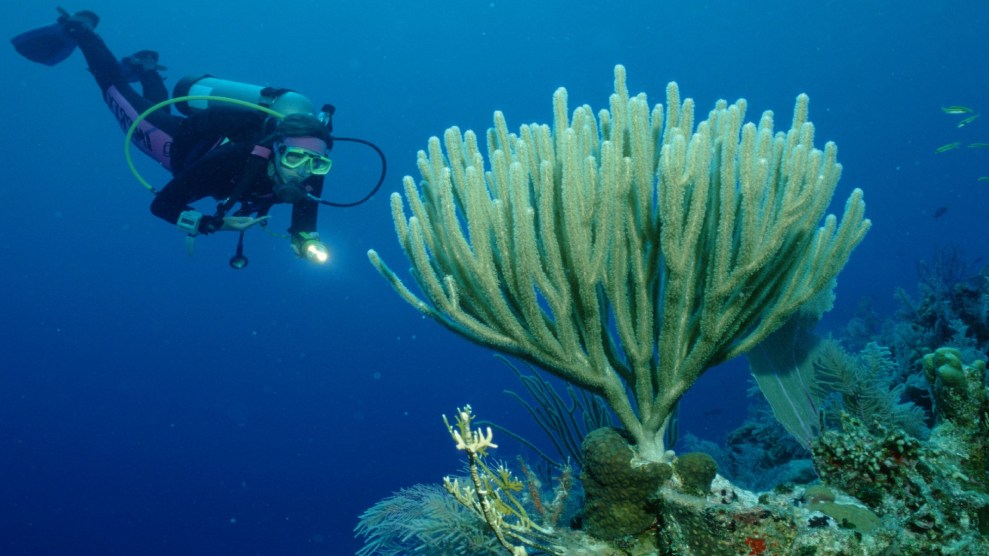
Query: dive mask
294	157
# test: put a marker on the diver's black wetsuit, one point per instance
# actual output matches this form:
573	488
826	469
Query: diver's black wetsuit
200	168
108	73
217	173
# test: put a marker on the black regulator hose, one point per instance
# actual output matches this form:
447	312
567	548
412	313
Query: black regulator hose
381	178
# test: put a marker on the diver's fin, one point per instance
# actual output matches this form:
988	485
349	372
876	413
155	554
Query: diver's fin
47	45
53	43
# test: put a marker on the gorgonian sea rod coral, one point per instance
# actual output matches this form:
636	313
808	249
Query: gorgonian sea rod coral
625	253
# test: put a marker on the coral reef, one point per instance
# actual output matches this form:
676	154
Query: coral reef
759	454
955	299
962	404
620	499
491	494
882	491
934	489
865	385
424	519
952	310
696	471
629	251
866	461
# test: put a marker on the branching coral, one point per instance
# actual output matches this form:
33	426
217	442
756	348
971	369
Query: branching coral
492	494
862	385
627	251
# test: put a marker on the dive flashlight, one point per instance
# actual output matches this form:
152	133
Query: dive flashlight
312	248
316	251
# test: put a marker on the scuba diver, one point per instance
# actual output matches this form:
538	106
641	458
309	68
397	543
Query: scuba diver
274	151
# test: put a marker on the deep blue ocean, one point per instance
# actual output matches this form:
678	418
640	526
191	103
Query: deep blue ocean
157	403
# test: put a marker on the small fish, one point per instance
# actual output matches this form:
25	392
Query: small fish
978	145
967	120
948	147
939	212
983	178
956	110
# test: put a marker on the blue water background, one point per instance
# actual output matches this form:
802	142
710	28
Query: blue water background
156	403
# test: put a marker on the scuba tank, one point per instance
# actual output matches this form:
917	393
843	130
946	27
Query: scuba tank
283	101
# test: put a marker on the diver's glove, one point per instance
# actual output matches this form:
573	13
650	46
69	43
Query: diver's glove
308	246
193	223
142	61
